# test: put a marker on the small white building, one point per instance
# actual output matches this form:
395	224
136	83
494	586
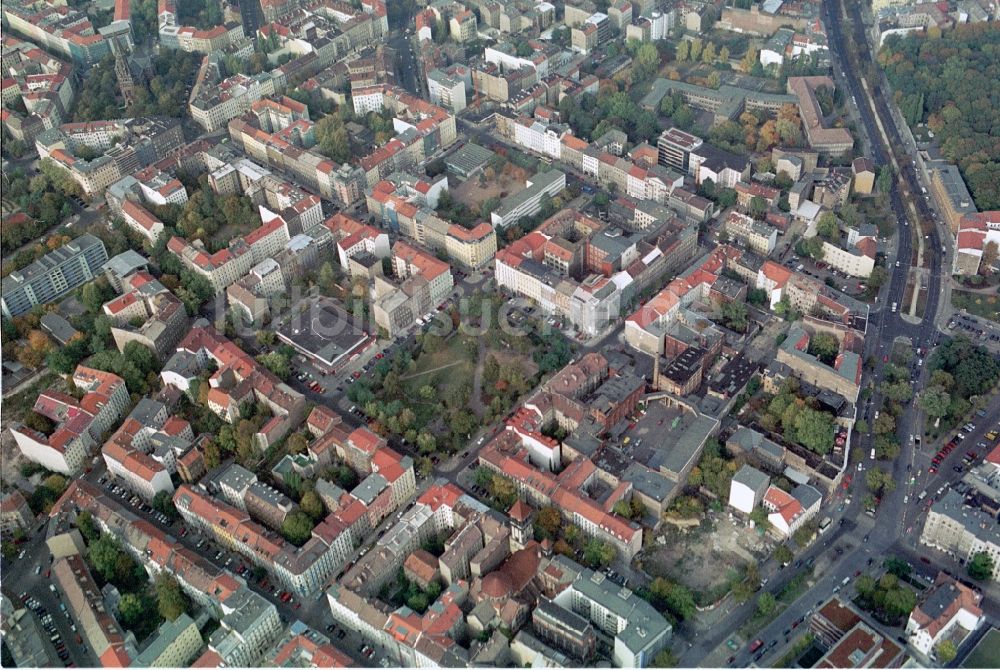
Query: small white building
787	512
747	489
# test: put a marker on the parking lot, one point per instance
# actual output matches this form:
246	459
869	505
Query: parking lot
975	328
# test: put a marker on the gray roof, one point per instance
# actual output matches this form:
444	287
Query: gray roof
645	624
49	261
807	495
681	446
752	478
145	410
166	634
58	327
125	263
539	182
546	609
648	482
236	477
368	489
325	489
247	608
977	522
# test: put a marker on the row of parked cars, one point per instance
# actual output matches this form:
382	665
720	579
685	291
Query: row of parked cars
134	501
50	629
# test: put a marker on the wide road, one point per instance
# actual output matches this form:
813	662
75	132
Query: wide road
850	547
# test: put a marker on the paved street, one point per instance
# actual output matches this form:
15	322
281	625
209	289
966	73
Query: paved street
897	524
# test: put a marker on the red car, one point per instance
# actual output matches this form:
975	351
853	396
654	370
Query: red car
379	356
357	375
932	470
755	645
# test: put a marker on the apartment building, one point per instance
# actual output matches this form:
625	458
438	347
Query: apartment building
85	604
173	645
64	30
944	609
639	631
217	105
43	84
758	235
300	569
564	629
53	275
249	626
528	202
139	219
975	233
237	379
79	424
463	27
950	193
143	451
147	313
15	513
408	261
843	376
473	248
674	149
820	138
448	87
961	530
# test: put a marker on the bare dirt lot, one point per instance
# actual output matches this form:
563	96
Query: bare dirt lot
474	192
706	561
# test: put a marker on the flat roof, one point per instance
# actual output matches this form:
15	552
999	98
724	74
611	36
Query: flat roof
322	331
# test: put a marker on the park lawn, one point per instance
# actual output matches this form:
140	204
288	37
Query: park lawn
443	370
979	304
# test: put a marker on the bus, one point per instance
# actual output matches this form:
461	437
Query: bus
824	524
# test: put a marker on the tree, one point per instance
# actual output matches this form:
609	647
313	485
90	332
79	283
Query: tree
814	430
723	55
33	354
708	53
92	297
683	50
758	207
990	252
981	566
946	651
164	504
827	226
170	600
311	504
879	481
665	658
598	553
276	363
766	604
548	521
332	138
675	598
297	443
131	609
886	448
884	424
824	346
297	528
734	316
483	477
696	47
783	555
935	401
646	61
